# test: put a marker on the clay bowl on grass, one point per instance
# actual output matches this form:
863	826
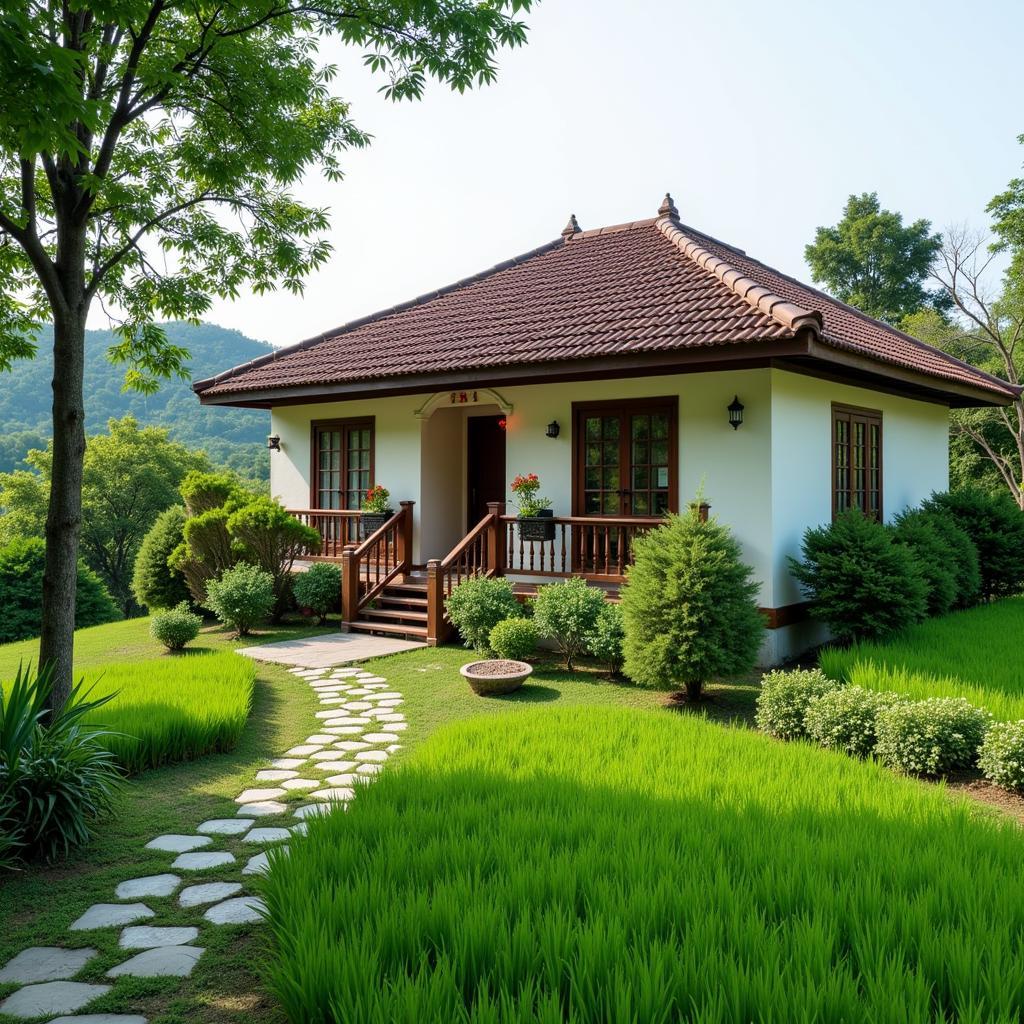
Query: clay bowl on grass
494	677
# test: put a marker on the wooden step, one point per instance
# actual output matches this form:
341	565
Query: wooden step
402	599
391	613
407	587
363	626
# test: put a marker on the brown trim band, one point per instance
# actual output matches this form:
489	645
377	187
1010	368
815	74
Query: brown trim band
787	615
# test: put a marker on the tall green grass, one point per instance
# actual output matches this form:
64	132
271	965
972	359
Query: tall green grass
974	654
172	708
601	864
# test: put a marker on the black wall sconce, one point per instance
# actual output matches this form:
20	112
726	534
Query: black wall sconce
553	429
735	413
274	443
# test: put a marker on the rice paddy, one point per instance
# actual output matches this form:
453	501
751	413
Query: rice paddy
173	708
973	654
595	864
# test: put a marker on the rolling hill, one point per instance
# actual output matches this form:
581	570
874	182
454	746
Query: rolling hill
232	437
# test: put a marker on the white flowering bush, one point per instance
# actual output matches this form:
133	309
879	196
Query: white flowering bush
931	737
784	698
846	718
1001	757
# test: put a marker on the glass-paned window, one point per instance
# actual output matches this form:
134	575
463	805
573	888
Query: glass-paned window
856	461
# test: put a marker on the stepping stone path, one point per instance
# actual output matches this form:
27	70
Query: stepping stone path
345	750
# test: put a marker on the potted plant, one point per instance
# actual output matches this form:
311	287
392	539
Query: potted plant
536	520
376	510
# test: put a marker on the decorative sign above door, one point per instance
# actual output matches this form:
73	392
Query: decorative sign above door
463	398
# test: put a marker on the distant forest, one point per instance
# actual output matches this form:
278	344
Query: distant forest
232	437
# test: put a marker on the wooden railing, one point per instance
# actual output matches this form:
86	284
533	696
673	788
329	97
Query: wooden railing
337	528
367	568
598	548
477	554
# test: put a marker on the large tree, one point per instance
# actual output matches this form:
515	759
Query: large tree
148	153
871	260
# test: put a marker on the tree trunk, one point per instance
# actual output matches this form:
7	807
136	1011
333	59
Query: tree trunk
694	690
64	514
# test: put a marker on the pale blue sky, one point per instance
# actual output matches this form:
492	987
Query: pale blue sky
759	118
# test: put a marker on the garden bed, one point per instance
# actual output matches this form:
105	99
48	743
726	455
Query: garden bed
603	863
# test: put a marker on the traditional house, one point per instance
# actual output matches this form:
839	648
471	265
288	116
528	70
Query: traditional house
632	368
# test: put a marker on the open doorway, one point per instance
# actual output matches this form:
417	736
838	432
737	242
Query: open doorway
485	465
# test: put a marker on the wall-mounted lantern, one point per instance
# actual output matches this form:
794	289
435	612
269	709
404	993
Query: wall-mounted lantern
553	429
274	443
735	413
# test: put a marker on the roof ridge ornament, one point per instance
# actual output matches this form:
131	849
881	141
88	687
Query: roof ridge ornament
668	208
571	228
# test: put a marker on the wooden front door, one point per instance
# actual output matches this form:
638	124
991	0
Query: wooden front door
485	465
626	458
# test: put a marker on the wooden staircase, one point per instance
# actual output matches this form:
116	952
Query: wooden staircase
400	609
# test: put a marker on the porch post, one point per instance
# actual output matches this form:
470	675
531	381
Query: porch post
496	538
349	584
404	538
436	629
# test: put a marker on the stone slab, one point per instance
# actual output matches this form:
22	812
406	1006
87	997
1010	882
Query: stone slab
376	737
101	1018
328	649
261	809
342	793
369	769
45	963
372	755
259	864
267	835
320	739
345	779
51	997
312	810
178	844
288	762
293	785
252	796
153	936
346	730
304	749
362	744
203	861
209	892
163	962
224	826
241	910
151	885
325	755
275	774
111	915
335	766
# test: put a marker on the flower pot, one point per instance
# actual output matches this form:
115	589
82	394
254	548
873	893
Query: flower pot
540	526
371	522
494	677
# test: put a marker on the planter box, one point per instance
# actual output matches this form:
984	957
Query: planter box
495	677
371	522
540	527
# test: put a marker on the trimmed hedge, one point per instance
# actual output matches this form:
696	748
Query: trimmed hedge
785	697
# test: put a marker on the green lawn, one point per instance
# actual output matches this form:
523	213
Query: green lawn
974	654
602	863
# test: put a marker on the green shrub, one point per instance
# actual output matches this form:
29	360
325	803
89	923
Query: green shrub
514	638
567	613
1001	756
858	580
605	641
930	737
264	534
204	492
996	526
785	697
318	589
609	864
241	597
689	606
175	627
477	605
56	777
846	718
21	592
961	554
915	530
155	583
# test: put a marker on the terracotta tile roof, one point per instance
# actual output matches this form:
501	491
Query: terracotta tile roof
652	286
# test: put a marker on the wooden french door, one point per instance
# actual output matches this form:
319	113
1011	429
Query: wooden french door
485	465
626	458
342	468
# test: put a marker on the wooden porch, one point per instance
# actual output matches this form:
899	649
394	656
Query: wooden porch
384	592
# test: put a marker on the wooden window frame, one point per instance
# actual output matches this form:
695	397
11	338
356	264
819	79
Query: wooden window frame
852	414
625	406
342	425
